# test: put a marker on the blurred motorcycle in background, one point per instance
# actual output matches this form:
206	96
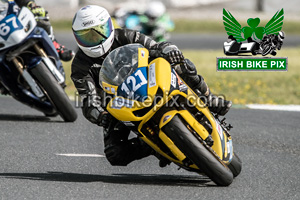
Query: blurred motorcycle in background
30	69
154	21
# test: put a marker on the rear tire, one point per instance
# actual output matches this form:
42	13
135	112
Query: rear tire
235	165
55	92
197	153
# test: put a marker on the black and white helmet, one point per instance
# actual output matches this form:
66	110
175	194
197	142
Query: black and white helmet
281	35
93	30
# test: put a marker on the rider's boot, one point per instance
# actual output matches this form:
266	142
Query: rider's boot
119	150
188	72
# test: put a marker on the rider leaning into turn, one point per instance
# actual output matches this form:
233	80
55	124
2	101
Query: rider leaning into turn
42	21
96	37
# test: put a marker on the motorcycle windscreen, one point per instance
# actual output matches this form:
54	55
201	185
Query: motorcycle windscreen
135	86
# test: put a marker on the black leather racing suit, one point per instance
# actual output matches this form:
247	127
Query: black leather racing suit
85	75
23	2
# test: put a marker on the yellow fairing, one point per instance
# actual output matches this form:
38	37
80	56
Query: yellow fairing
156	68
159	78
143	57
162	76
110	89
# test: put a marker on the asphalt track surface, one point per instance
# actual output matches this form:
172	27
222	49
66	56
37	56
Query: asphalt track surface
184	40
32	167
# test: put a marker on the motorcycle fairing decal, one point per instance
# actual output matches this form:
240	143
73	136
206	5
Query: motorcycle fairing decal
229	150
143	57
152	76
226	143
110	89
173	80
135	86
8	25
220	132
176	83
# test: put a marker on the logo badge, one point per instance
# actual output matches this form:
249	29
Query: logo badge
88	23
252	39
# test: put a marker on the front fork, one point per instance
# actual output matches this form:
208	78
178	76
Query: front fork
58	76
29	79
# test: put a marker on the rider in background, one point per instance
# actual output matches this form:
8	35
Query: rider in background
42	21
96	37
41	16
153	21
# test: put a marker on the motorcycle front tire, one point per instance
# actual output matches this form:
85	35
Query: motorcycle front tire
197	152
55	92
235	165
266	50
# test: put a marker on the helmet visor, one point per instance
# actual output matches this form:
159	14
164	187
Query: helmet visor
95	35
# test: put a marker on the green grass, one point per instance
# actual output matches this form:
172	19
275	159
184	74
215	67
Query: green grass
213	26
198	26
251	87
65	25
195	26
242	87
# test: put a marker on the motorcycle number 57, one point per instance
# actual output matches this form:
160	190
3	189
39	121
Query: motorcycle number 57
9	25
134	82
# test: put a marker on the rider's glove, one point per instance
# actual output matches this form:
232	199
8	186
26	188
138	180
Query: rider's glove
172	54
37	11
174	57
103	119
168	51
186	68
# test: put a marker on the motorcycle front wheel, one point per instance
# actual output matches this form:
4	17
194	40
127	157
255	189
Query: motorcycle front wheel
266	50
204	159
55	92
235	165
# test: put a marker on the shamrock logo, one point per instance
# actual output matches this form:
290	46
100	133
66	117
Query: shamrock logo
253	29
233	27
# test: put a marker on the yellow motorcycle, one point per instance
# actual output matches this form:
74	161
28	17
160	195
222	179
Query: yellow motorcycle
156	104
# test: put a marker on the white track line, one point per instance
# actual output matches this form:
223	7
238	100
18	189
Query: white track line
295	108
81	155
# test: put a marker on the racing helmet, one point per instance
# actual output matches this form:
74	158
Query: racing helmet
93	30
3	9
155	9
281	35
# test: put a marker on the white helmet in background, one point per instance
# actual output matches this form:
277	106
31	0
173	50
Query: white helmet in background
281	35
155	9
93	30
3	9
